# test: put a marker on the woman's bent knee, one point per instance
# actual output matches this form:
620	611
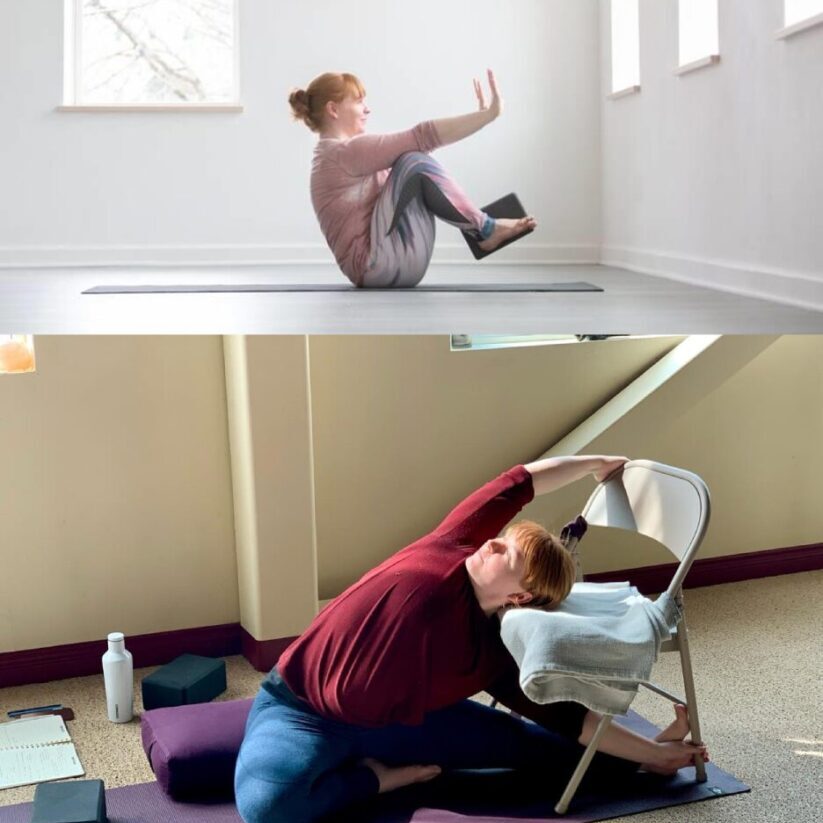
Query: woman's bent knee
411	156
410	159
259	801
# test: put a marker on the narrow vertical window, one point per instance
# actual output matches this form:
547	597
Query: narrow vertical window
798	10
625	45
150	52
698	28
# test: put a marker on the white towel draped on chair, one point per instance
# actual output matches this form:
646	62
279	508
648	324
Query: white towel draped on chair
595	648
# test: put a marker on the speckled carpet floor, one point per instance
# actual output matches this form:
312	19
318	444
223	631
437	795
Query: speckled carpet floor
757	649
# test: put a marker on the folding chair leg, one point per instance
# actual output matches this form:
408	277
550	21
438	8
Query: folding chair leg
566	798
691	697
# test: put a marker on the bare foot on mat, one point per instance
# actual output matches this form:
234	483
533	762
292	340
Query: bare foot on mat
392	778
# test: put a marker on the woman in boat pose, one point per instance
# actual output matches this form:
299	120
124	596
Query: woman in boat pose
376	195
373	695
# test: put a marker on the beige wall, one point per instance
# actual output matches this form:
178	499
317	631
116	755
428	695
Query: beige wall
115	492
758	442
404	428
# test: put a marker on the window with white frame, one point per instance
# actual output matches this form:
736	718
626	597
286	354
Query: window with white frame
625	44
799	10
698	30
150	52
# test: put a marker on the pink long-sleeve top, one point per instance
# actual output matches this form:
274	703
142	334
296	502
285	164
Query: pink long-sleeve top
346	179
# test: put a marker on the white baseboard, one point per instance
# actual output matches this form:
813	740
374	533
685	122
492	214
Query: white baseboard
522	254
214	254
799	289
33	257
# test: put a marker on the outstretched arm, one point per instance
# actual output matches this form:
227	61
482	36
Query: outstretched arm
553	473
452	129
370	153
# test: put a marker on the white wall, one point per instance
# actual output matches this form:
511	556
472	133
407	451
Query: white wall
717	176
125	187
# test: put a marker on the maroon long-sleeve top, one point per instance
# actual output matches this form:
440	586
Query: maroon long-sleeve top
410	637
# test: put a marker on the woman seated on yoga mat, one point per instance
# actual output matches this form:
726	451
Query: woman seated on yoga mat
379	223
373	695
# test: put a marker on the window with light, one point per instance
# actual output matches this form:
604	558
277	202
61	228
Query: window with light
799	10
625	44
150	52
698	30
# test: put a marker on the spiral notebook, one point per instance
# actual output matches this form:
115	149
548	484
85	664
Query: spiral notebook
36	750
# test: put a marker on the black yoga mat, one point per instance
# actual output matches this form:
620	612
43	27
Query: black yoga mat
338	287
491	796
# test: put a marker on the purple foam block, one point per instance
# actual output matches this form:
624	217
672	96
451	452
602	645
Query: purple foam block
192	749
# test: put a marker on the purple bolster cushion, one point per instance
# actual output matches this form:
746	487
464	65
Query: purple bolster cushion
192	749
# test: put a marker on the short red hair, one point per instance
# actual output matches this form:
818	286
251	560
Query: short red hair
550	567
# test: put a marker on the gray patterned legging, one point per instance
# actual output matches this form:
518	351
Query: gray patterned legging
417	190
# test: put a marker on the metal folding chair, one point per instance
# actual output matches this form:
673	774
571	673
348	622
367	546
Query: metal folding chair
671	506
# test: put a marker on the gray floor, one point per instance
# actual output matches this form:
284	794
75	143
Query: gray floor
43	301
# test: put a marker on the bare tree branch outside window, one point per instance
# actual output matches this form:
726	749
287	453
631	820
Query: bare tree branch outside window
157	51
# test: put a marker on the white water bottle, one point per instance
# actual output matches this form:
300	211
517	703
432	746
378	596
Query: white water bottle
117	676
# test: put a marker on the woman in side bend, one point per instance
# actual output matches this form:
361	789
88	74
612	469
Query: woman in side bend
373	695
376	196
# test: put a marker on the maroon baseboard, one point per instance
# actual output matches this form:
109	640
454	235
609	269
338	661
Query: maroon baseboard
711	571
81	659
263	654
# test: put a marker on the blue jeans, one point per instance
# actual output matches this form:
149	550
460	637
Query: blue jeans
295	766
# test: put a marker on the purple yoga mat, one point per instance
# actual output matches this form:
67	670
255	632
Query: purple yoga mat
496	797
142	803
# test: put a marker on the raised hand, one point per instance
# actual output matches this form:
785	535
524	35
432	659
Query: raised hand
609	466
495	107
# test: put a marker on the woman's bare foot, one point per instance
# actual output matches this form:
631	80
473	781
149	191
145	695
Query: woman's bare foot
674	752
392	778
679	728
505	229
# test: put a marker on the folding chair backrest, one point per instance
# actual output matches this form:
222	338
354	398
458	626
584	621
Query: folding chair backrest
669	505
